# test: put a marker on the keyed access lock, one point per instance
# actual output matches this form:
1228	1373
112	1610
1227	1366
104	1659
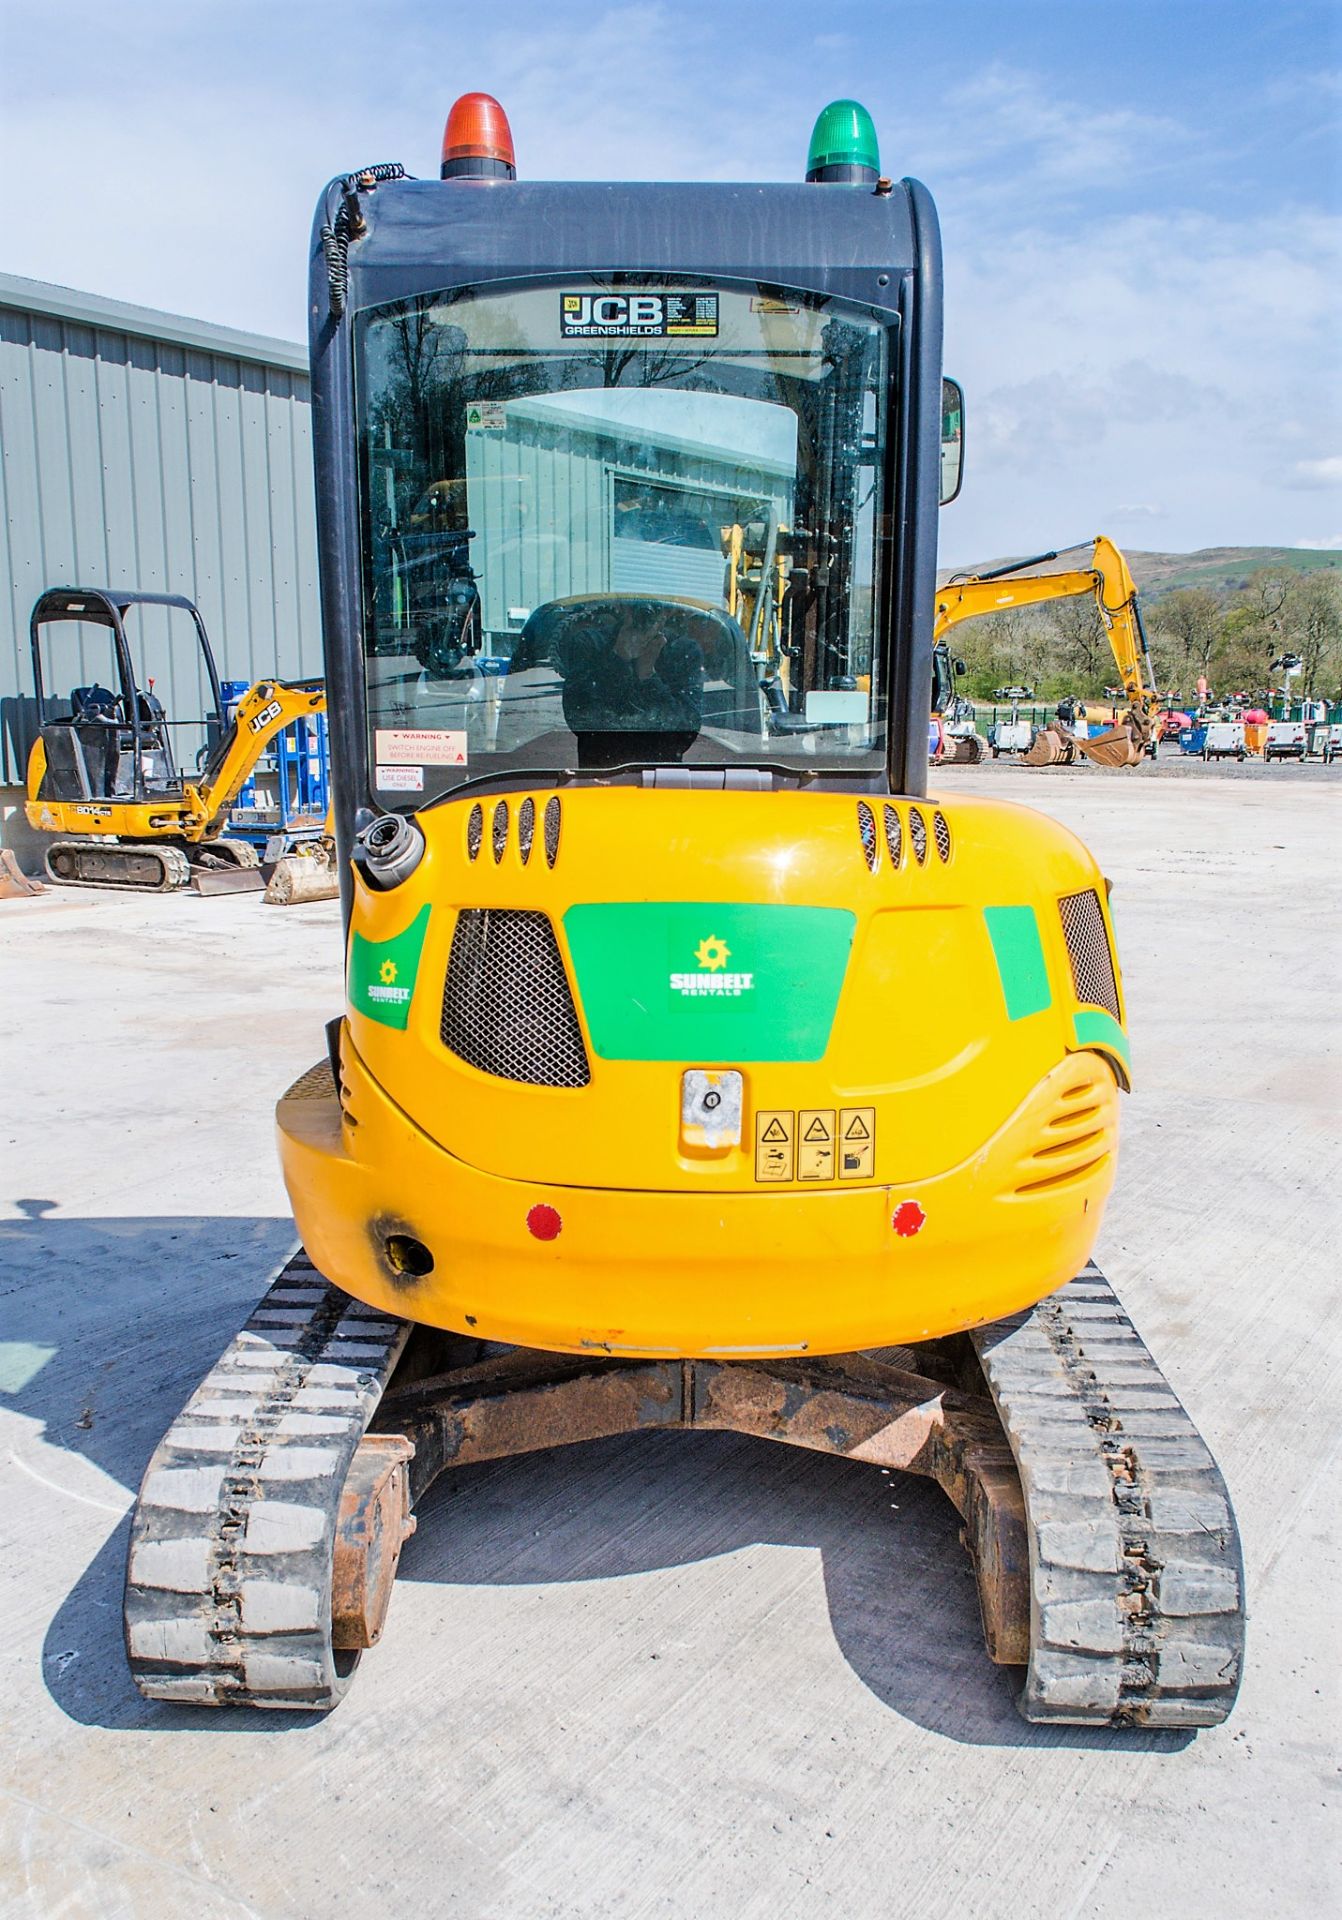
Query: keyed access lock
710	1109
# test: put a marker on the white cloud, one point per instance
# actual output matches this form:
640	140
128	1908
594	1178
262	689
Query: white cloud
1325	472
1108	355
1192	352
1014	149
1325	84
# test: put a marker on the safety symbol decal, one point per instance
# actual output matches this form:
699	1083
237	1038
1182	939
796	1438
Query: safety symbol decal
774	1135
816	1144
857	1143
815	1149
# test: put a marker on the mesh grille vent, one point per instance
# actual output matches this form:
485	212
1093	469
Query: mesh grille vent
894	836
507	1009
918	835
475	832
498	832
866	827
1088	951
526	828
941	833
551	830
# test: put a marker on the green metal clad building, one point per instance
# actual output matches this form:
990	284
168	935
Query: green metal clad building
140	449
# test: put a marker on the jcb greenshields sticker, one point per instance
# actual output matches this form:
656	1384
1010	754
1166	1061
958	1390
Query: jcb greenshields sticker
636	316
382	973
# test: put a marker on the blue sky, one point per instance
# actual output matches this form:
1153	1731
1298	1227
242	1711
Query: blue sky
1139	202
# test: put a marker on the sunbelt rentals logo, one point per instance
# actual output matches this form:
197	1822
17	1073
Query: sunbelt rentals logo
712	981
382	973
385	987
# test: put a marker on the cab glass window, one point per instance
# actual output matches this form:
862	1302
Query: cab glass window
611	524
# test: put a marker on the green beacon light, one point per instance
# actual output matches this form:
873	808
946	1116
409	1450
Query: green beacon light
843	146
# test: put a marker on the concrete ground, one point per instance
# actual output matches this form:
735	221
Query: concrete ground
687	1674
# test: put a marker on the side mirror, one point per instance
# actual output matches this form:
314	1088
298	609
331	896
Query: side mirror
952	439
943	686
960	666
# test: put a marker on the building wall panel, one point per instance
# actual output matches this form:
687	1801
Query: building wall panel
140	450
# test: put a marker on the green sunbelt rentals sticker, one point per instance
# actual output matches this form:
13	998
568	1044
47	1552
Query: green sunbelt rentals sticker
702	980
382	973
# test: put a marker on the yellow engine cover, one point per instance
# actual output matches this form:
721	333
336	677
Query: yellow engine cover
693	1072
158	819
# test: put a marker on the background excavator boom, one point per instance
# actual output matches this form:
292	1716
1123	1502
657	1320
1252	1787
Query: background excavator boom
264	710
1110	581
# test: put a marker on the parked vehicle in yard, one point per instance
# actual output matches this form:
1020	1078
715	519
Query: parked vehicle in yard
1286	740
1224	740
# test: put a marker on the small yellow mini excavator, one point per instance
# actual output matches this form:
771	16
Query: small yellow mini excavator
103	775
698	1068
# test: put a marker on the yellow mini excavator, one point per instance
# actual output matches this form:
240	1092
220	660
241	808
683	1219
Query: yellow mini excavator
697	1068
103	776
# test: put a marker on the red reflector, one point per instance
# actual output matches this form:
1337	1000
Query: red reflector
544	1223
907	1219
477	129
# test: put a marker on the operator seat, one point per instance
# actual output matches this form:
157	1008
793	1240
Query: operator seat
97	723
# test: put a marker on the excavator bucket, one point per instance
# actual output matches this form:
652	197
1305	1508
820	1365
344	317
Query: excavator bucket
1115	748
227	866
1048	749
15	884
299	877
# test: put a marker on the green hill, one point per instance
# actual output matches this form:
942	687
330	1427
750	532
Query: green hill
1222	569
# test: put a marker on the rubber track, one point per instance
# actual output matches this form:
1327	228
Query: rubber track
228	1582
1137	1585
174	867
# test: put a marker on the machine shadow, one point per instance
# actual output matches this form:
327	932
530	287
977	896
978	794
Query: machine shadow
106	1326
137	1310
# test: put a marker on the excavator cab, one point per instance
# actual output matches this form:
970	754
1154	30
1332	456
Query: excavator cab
102	745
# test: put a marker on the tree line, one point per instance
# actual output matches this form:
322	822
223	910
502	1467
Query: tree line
1229	637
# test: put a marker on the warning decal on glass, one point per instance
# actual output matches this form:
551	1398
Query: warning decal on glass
625	316
419	747
401	779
